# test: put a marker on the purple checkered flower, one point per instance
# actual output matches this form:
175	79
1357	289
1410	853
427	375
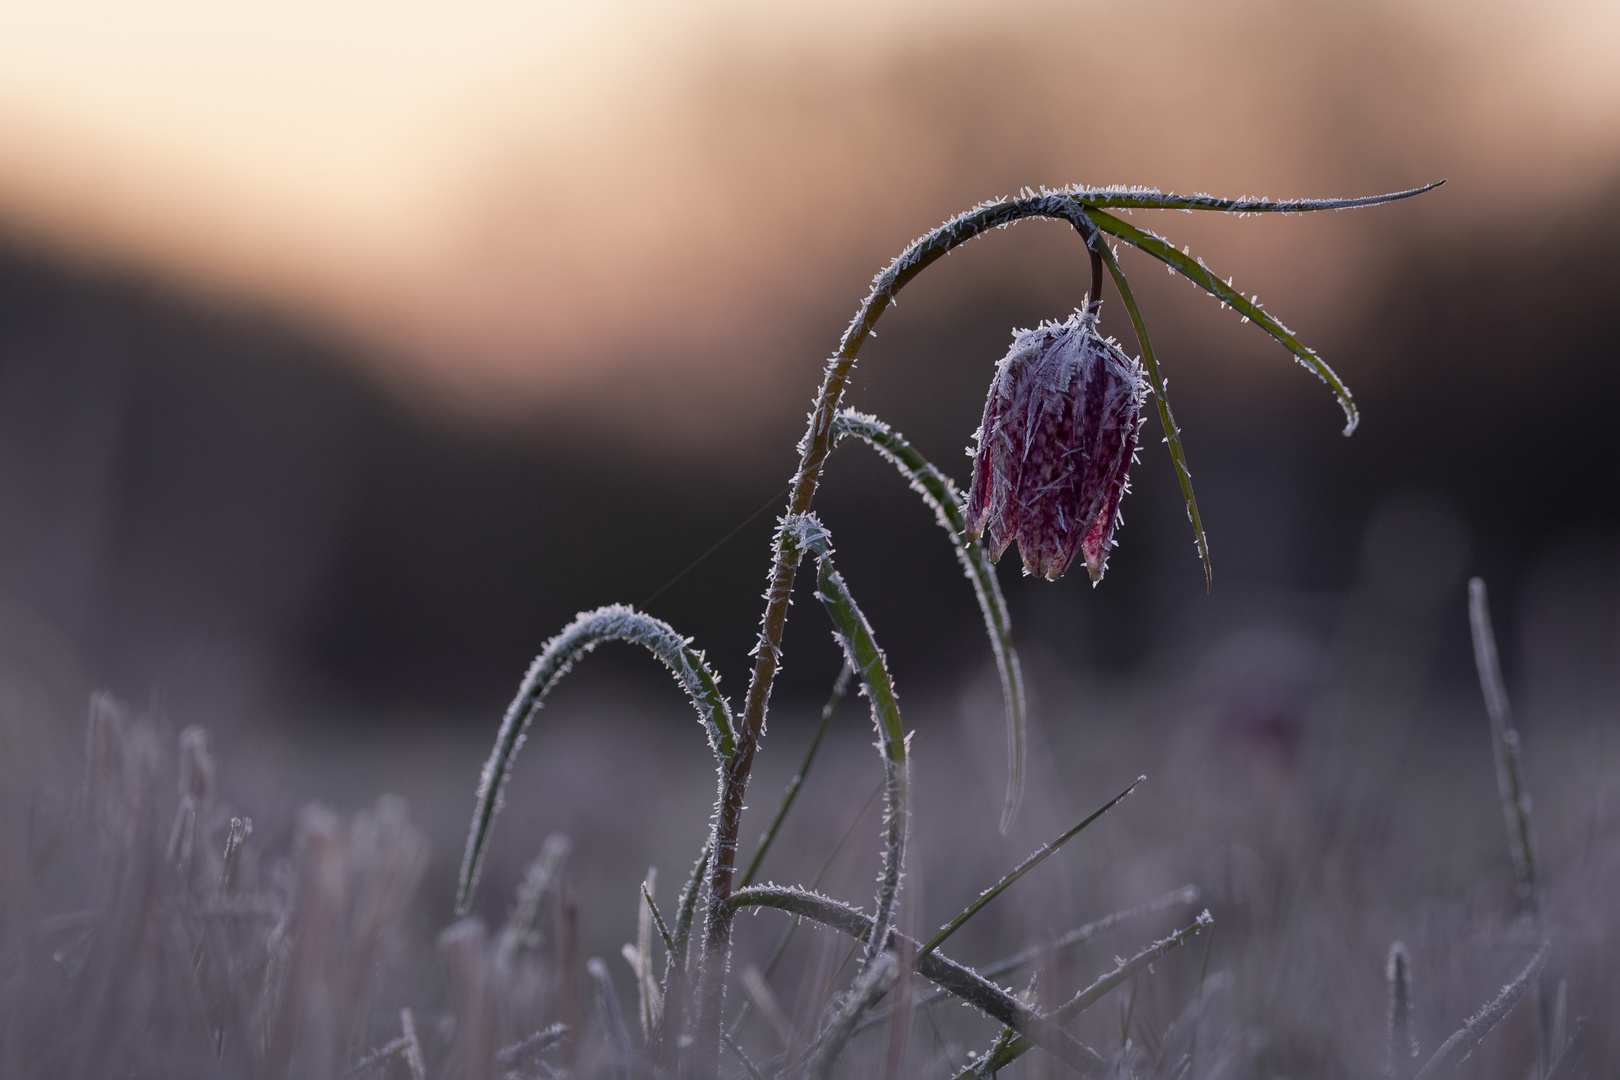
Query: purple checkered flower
1057	441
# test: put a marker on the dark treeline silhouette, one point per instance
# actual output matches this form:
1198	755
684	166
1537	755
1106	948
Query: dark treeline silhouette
185	486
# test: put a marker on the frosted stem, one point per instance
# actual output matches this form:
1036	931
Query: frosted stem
586	632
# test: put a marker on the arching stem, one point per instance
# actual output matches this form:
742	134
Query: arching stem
1071	205
1094	294
705	1047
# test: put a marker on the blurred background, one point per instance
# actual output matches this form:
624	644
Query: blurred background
346	350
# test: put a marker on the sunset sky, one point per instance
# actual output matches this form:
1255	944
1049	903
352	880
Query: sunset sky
505	201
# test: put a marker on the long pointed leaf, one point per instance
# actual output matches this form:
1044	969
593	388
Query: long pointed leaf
1161	398
861	652
658	920
1199	274
1455	1050
586	632
1510	786
1187	894
685	911
961	981
1020	870
1152	199
1094	993
941	495
674	985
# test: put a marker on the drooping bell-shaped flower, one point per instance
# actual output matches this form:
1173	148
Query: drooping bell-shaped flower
1057	441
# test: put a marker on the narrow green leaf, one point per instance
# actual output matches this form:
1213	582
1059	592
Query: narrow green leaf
862	654
1020	870
658	919
1510	785
1161	398
673	987
685	912
1080	935
941	495
987	1060
1455	1050
936	967
1092	994
1195	271
1150	199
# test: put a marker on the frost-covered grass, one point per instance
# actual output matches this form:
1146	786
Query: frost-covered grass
335	922
194	953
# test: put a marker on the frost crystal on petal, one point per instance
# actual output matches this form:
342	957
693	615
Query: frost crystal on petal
1057	440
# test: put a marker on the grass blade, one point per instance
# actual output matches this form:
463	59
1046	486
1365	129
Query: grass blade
1020	870
1455	1050
1091	994
983	1067
614	1029
959	980
532	1047
539	881
870	985
688	906
649	1002
840	688
737	1051
1095	992
658	920
815	883
1172	433
862	654
378	1058
1151	199
673	989
1187	894
1403	1045
1199	274
1510	785
586	632
413	1046
764	1001
941	495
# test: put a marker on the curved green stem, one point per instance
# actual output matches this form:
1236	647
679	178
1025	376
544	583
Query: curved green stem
942	497
784	565
939	969
1071	206
586	632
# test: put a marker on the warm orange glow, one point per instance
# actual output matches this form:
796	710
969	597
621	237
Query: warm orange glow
515	199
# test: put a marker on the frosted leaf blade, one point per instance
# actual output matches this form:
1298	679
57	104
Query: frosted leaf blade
1144	199
587	631
941	496
1199	274
1161	398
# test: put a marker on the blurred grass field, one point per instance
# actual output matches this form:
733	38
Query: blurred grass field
1314	768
